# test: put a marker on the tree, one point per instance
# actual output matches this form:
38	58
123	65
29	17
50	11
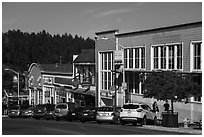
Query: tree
175	86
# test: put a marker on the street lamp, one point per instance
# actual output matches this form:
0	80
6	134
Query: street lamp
122	49
18	80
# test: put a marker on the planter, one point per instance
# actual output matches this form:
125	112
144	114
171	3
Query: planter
169	119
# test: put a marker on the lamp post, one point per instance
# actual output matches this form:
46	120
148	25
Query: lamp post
18	80
122	49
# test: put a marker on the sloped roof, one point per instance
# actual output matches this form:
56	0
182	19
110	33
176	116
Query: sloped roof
58	68
86	56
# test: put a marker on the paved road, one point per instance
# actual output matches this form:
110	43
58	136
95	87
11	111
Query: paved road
51	127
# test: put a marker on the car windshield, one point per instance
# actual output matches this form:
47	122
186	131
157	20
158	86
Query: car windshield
61	106
13	107
40	106
50	107
24	107
105	109
130	106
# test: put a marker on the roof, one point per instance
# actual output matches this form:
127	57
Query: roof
108	31
84	91
58	68
86	56
65	81
161	29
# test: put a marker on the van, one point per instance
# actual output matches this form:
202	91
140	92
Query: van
62	110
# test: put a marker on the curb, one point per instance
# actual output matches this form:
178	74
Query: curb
179	129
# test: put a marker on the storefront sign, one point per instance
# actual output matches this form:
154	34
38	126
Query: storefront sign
118	56
48	80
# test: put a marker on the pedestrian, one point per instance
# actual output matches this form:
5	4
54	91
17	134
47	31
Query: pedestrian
166	106
155	107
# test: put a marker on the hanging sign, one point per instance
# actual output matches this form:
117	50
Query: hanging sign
118	57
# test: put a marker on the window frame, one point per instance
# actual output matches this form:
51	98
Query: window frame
139	58
192	61
175	57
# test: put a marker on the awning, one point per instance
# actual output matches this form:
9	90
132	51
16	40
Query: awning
106	102
83	91
64	81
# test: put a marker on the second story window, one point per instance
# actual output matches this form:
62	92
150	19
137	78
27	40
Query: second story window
105	72
196	55
134	58
167	56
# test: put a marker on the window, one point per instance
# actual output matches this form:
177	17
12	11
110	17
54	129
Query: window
125	57
163	57
179	57
196	55
106	74
142	57
156	58
137	58
167	56
171	57
130	58
134	58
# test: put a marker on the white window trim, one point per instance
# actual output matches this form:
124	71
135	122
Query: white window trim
100	54
167	56
140	59
191	57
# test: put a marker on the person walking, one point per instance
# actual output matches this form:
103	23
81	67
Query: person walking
166	106
155	107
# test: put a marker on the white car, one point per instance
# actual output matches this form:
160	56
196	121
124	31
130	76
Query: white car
137	113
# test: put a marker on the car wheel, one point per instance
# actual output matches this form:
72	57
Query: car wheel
134	123
57	119
37	118
122	122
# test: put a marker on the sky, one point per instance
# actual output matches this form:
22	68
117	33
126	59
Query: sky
86	18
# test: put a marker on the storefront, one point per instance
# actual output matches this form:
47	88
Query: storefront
176	48
50	84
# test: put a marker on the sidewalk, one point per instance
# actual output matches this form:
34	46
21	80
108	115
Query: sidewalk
180	129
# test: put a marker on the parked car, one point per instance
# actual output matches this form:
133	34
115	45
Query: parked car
88	114
13	111
74	114
137	113
40	111
107	114
62	110
26	111
49	114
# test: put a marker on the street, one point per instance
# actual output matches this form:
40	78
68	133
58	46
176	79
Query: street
19	126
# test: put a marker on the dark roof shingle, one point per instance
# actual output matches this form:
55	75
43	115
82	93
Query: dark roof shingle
59	68
86	56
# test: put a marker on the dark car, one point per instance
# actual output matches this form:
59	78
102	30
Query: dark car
41	110
26	111
13	111
88	114
49	112
74	114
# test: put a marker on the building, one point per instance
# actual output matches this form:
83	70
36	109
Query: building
84	78
176	47
50	83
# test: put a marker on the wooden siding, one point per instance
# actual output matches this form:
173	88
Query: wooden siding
177	36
